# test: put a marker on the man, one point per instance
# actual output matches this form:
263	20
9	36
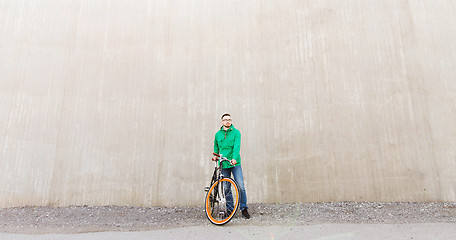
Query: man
228	143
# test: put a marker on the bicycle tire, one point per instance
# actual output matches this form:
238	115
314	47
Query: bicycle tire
213	212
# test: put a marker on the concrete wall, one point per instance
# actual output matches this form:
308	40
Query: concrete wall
115	102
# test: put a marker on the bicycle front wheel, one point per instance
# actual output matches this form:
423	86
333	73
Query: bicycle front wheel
222	201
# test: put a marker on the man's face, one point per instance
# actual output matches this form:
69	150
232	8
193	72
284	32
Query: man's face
226	121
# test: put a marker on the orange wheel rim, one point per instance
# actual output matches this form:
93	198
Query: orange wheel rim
235	202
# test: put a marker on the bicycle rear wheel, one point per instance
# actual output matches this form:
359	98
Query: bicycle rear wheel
222	201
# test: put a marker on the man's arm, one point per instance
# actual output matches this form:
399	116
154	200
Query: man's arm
237	146
216	148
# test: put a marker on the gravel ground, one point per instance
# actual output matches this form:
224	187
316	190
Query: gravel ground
76	219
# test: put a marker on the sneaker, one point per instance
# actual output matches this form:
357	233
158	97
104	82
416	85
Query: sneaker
245	214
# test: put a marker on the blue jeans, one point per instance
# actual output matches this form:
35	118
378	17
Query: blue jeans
238	177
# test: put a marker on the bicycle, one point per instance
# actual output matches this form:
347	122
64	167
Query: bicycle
222	198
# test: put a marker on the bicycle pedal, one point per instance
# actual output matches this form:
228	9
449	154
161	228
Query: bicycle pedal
206	189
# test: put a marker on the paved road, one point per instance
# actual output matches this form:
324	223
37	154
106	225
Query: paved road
444	231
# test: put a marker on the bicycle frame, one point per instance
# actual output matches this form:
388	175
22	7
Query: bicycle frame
216	177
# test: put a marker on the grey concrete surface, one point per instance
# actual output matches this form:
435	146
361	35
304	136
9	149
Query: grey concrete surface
431	231
117	102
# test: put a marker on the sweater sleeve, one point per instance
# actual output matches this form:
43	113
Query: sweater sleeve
237	146
216	148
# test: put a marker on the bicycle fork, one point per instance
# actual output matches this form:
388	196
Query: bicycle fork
220	198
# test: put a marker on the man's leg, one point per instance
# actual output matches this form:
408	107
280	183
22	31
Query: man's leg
228	194
238	177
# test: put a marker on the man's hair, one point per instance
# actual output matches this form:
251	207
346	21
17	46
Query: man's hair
226	114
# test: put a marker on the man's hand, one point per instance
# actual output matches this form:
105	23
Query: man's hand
233	161
214	158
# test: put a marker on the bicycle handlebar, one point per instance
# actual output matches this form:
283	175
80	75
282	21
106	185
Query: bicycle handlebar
222	158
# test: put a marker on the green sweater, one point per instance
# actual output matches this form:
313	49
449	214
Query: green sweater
228	143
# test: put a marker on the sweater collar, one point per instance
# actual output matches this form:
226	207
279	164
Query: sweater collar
229	129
